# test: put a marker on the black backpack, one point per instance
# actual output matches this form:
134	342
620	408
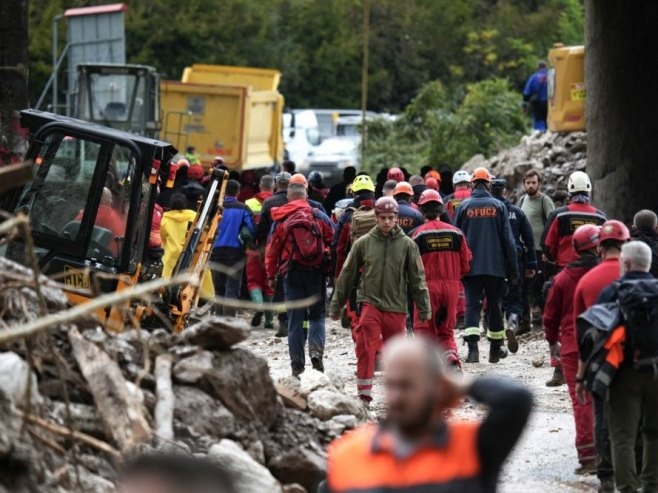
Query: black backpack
638	303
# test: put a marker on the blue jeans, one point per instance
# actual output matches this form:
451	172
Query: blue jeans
228	286
299	284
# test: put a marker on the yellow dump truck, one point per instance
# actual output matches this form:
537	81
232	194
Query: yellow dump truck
233	112
566	88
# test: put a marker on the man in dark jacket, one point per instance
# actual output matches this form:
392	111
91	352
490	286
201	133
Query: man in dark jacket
228	250
485	223
645	229
409	217
527	261
339	190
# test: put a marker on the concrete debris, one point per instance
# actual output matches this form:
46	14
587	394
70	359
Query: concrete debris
193	392
555	155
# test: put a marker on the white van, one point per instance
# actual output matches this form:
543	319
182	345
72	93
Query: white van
300	135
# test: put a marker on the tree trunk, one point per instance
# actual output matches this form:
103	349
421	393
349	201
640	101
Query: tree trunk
13	76
622	105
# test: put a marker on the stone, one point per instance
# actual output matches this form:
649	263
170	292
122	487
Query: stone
538	361
216	333
246	473
191	370
257	451
300	465
473	163
312	380
325	404
201	414
294	488
15	374
347	420
336	381
241	381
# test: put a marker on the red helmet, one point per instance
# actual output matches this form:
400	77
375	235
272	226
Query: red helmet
614	230
585	238
196	172
432	183
430	196
403	187
395	174
386	204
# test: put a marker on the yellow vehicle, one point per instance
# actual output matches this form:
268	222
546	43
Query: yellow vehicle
233	112
566	88
90	206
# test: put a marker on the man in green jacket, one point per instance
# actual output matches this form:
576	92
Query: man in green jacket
389	262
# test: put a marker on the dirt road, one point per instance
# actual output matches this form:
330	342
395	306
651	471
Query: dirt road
546	456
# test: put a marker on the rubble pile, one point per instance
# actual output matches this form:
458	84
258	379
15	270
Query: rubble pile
77	401
555	155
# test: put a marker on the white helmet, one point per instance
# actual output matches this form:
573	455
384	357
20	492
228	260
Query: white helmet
460	177
579	182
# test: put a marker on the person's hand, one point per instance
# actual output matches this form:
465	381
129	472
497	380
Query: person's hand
272	284
530	273
555	351
581	393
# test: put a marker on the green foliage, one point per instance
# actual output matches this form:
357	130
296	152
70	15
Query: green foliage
443	127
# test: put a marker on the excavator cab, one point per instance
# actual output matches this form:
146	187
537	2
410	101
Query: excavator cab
90	203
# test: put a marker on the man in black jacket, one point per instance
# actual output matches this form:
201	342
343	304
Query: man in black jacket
645	229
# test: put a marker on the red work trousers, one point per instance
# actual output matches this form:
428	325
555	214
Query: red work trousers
583	414
444	297
376	327
256	277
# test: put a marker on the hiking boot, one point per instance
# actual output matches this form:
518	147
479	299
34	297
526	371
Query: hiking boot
473	353
510	333
586	469
316	361
268	325
297	370
257	319
523	328
607	486
283	329
497	351
557	379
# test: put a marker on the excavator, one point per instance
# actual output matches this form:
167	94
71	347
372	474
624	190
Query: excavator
90	206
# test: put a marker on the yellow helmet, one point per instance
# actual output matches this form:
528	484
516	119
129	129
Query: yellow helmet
361	183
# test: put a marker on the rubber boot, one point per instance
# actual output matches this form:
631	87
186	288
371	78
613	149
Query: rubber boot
496	351
269	314
557	379
473	352
256	297
510	333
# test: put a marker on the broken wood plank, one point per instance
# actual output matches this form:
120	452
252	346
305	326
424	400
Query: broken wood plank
15	175
164	408
291	398
119	409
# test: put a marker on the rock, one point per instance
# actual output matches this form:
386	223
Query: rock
294	488
247	474
290	397
473	163
216	333
257	451
325	404
241	381
336	381
312	380
191	370
347	420
538	362
300	465
14	376
202	414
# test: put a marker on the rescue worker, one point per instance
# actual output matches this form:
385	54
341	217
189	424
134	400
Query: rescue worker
513	305
316	189
446	258
248	185
257	285
301	280
228	251
432	183
416	449
535	97
193	189
339	190
389	188
612	236
173	230
461	180
645	229
395	174
192	156
390	264
560	331
632	402
485	223
409	216
563	221
536	205
418	186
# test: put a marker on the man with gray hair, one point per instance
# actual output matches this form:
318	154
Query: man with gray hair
633	394
645	229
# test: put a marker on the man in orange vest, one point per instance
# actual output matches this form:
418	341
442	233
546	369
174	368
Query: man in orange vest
415	448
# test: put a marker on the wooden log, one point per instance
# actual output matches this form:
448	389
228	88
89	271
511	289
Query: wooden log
120	410
164	408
